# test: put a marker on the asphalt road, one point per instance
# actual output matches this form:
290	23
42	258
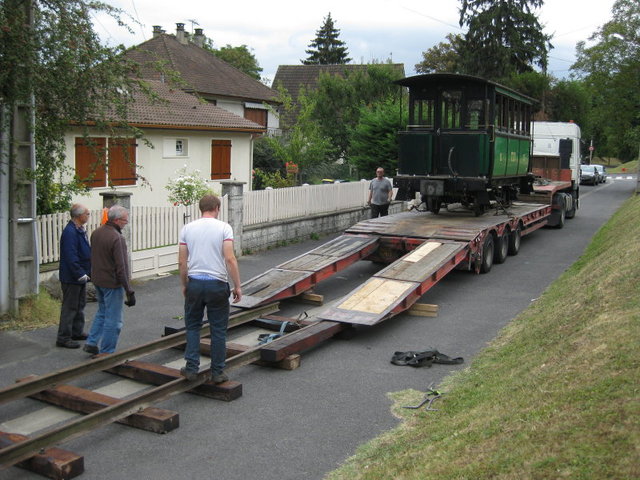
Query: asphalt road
303	423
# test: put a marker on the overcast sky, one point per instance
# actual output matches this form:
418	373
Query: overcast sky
278	32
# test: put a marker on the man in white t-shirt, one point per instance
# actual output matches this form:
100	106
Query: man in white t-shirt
206	260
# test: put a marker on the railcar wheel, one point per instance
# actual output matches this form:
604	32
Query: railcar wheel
502	248
487	255
514	241
434	204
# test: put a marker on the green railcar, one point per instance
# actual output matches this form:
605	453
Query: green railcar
468	141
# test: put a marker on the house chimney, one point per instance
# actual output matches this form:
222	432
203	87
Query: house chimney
198	38
157	31
180	33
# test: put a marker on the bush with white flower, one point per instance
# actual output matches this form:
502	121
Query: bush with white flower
187	188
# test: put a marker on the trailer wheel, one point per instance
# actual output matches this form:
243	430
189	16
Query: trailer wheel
562	215
572	213
514	241
487	255
502	247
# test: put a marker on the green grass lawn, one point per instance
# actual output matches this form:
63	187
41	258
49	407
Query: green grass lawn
556	394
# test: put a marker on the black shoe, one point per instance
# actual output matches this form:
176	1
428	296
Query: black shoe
82	336
219	377
188	374
92	349
68	344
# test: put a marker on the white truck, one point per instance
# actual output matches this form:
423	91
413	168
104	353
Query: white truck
556	159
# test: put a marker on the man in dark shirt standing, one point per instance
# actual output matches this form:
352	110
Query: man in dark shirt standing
380	194
110	275
75	268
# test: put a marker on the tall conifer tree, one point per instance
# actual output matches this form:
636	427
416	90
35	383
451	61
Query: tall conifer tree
326	48
503	37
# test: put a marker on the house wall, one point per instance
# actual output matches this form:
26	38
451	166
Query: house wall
156	167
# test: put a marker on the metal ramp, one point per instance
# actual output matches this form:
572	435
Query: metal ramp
399	285
296	276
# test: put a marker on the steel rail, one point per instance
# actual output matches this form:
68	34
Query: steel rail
39	383
26	449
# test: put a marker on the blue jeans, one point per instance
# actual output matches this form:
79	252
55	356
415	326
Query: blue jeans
107	323
214	295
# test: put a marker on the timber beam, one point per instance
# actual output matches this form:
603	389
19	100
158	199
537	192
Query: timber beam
52	462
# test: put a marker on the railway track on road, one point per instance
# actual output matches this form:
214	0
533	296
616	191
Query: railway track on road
38	453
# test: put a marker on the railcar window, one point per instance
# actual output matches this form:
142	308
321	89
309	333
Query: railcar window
423	113
451	109
476	114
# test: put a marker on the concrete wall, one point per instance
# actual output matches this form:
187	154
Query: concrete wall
259	237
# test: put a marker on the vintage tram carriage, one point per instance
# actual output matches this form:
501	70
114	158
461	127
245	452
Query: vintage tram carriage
468	141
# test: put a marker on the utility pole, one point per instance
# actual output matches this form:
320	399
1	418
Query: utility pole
18	245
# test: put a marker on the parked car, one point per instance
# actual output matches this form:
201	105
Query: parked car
589	174
603	172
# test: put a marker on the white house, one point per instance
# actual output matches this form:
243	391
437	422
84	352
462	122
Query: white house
182	131
208	124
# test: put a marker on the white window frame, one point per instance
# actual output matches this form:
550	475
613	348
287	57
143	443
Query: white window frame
175	147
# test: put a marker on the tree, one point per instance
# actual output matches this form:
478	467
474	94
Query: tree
503	37
303	144
374	140
326	49
444	57
611	70
337	100
73	78
240	57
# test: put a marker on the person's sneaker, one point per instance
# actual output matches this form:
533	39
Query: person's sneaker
219	377
82	336
92	349
68	344
188	374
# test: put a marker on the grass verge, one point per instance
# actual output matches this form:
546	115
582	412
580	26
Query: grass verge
36	311
554	396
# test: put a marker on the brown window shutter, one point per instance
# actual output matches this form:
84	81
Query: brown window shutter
220	159
91	160
256	115
122	161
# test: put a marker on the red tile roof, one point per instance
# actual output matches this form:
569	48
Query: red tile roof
177	109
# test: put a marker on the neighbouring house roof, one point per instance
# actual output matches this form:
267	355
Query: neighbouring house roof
296	77
202	71
177	109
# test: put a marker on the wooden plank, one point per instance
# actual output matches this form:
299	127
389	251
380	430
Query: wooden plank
311	298
420	267
423	310
376	295
52	462
158	375
299	341
78	399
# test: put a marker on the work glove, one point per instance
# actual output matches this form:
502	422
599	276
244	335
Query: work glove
131	299
84	278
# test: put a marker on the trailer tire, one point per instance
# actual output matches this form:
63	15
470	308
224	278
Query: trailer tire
572	213
514	240
501	247
562	215
487	255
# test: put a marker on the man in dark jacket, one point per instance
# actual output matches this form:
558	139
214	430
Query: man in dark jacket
110	275
75	268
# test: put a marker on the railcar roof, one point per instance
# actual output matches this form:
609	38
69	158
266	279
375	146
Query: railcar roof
456	78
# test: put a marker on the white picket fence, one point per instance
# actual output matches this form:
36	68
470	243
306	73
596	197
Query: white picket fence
154	227
264	206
